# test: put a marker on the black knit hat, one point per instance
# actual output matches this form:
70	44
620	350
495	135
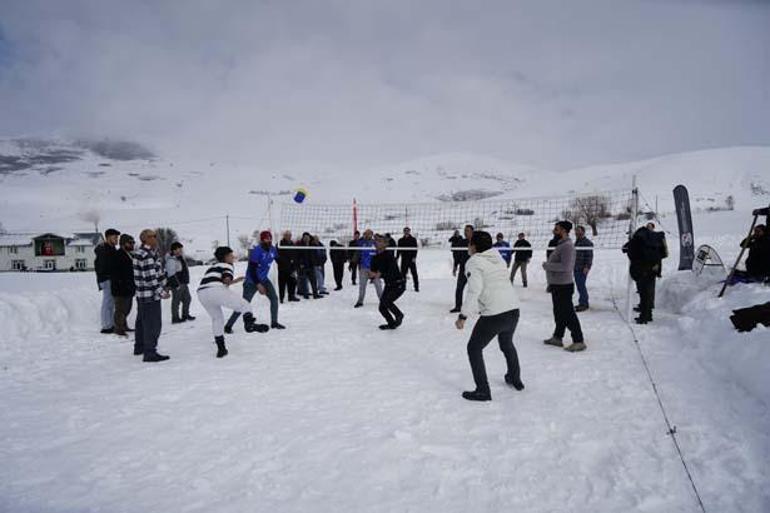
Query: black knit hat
482	241
111	231
565	224
221	252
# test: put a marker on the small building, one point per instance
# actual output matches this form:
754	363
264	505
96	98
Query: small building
48	252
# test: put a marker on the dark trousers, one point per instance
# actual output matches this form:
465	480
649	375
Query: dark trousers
409	265
148	325
339	273
388	307
487	327
461	281
286	282
122	311
646	287
353	268
249	290
307	275
180	295
564	312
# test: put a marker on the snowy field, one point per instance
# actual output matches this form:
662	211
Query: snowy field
334	415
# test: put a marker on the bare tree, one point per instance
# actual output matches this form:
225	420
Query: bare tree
730	202
244	241
2	229
92	216
165	236
588	210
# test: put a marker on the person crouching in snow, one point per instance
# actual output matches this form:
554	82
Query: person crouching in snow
383	265
214	293
257	279
489	293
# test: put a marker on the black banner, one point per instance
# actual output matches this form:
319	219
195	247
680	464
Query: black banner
684	218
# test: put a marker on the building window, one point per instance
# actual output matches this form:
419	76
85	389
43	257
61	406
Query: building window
13	250
80	264
49	265
80	249
18	265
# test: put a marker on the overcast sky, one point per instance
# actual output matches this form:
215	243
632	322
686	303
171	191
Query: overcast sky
354	83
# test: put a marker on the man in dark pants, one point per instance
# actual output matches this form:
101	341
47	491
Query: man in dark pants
306	272
522	256
339	257
122	284
287	272
105	253
150	281
491	295
409	257
383	265
559	274
354	257
178	276
456	241
461	258
257	279
645	251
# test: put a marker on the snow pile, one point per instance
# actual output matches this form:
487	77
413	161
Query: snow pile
704	328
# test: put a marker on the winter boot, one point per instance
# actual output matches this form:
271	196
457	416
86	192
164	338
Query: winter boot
581	308
515	382
575	347
477	395
176	320
221	349
250	324
188	317
387	326
155	357
553	341
277	326
399	320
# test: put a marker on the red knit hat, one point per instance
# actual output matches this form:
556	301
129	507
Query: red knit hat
265	235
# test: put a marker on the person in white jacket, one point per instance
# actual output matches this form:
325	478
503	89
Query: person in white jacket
490	293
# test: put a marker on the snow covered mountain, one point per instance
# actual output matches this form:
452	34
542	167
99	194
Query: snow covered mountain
52	185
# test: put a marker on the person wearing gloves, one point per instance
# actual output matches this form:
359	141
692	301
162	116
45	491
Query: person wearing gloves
214	293
261	257
490	294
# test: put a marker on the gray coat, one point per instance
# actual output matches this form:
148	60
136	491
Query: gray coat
561	264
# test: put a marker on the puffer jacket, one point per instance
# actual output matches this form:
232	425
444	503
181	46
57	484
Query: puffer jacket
489	291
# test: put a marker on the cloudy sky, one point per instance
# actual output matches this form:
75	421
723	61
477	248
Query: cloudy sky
354	83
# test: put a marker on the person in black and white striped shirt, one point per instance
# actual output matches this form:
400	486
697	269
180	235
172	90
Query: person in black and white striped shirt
214	293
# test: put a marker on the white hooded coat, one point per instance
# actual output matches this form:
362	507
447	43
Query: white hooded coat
489	290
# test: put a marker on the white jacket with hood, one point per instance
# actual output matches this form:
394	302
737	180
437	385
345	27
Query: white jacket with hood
489	290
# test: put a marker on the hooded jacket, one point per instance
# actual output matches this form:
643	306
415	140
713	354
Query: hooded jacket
489	291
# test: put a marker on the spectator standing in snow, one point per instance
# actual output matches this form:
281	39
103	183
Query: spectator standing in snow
105	253
383	266
178	277
408	256
339	257
319	263
257	279
584	258
645	251
364	266
214	294
456	241
150	281
305	261
491	295
287	272
354	257
522	255
503	247
122	284
462	259
559	272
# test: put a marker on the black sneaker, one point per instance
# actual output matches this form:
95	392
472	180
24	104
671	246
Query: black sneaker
399	320
228	330
259	328
138	351
387	326
337	288
515	383
477	395
188	318
358	305
455	310
293	300
581	308
155	357
177	321
221	348
642	320
108	331
277	326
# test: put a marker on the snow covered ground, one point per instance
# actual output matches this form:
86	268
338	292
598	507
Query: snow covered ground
334	415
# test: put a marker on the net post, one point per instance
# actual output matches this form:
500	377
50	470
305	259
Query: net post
355	217
631	229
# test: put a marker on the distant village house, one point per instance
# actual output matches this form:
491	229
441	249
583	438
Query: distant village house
48	252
